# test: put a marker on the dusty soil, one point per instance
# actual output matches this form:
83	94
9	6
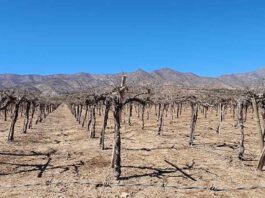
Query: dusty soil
57	159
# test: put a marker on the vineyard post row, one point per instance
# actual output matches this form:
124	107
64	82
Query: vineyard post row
14	104
143	101
119	101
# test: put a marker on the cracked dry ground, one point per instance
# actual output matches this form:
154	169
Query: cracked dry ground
57	159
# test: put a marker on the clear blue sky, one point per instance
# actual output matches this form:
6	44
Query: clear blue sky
207	37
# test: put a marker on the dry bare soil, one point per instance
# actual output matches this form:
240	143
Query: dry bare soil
57	159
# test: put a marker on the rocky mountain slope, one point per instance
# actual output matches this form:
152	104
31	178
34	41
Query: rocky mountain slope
62	83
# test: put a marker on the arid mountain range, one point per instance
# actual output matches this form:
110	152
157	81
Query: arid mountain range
67	83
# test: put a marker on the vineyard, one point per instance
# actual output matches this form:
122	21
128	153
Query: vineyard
132	141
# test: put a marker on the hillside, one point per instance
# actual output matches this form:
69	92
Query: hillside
66	83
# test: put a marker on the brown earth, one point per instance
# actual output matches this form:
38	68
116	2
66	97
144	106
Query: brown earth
57	159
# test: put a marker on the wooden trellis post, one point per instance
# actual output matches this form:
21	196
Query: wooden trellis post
26	120
33	106
194	116
240	117
116	155
221	117
105	122
85	116
161	116
258	127
93	121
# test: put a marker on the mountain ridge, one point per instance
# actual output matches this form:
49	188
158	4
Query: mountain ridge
54	84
